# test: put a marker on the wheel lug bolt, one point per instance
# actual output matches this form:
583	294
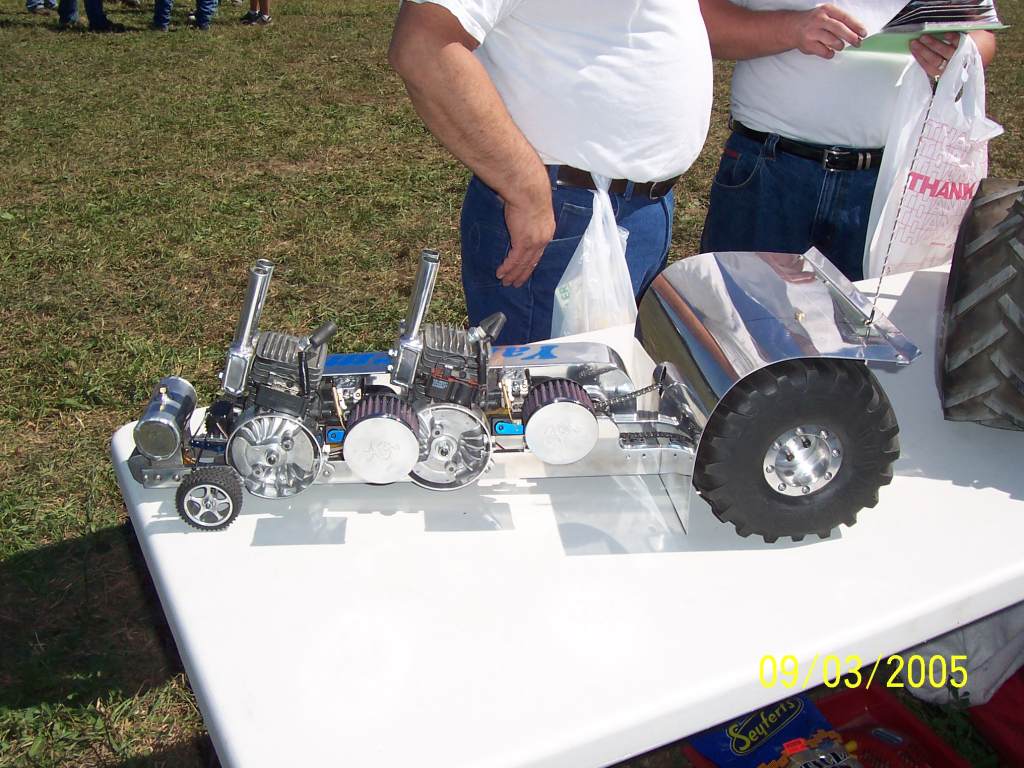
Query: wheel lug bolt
782	486
828	475
769	470
805	489
835	451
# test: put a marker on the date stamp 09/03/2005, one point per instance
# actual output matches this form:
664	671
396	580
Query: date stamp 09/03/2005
893	671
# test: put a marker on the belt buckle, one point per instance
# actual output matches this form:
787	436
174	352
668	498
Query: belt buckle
834	154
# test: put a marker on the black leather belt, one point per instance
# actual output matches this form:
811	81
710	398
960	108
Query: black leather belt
831	158
573	177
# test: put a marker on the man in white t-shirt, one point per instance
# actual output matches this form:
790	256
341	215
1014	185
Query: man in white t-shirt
534	96
809	122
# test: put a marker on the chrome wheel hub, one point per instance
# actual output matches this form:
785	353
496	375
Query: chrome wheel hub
207	505
802	460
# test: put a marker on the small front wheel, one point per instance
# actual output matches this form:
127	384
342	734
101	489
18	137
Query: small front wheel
210	498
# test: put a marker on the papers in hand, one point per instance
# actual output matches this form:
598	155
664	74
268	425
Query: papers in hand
921	17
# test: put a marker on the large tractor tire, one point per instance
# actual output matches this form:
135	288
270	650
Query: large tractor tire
981	351
796	448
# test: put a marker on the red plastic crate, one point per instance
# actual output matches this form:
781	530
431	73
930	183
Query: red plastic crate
1001	720
875	719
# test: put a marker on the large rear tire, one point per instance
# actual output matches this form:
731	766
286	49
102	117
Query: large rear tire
799	447
982	346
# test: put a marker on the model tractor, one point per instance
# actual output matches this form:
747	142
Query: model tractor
756	397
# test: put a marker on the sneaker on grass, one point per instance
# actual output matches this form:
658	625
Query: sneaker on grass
250	17
263	20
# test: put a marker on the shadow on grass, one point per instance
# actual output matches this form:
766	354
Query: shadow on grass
79	620
197	753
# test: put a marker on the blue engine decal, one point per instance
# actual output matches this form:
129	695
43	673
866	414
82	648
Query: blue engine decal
335	435
507	428
353	363
530	352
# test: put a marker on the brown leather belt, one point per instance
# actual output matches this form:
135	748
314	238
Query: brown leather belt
573	177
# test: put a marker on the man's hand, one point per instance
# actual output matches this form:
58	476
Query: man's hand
933	53
824	30
740	33
530	227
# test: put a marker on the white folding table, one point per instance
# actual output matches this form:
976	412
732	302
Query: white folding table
565	622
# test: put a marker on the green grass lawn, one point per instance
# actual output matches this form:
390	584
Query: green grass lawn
141	175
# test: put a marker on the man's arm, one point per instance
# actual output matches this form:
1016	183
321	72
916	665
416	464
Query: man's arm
453	94
740	33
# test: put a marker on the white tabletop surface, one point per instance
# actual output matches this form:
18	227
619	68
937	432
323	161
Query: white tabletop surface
565	622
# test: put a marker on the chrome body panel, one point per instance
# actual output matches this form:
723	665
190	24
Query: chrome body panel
715	318
596	367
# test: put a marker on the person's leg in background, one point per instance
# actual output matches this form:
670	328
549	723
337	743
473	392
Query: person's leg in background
40	6
67	11
765	200
761	199
98	21
842	225
205	9
162	14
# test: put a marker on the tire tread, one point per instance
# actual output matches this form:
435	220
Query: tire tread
984	320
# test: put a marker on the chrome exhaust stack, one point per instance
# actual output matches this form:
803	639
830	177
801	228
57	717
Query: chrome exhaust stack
406	357
422	291
239	358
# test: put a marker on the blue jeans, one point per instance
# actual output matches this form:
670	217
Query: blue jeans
486	243
67	10
204	12
31	4
766	200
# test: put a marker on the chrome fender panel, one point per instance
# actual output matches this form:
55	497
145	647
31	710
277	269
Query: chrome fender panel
715	318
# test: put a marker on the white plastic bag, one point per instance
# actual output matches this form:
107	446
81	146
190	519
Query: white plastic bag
935	155
595	291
